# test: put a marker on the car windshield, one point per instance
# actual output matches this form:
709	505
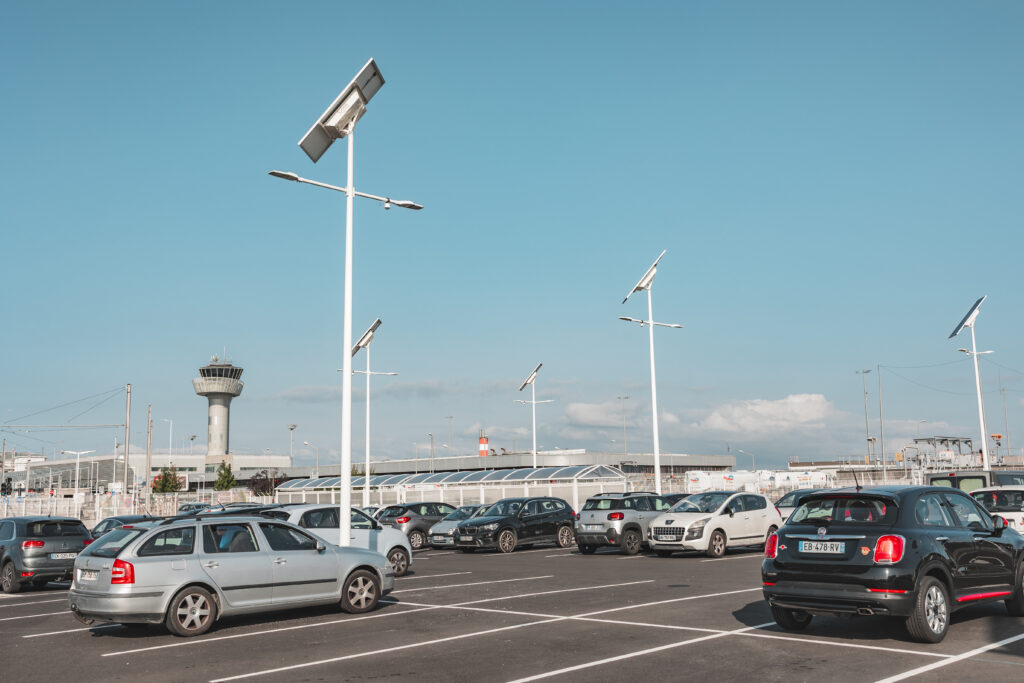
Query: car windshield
1000	501
503	508
701	502
51	528
845	509
112	542
464	512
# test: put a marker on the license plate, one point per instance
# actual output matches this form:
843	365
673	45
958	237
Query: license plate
667	537
88	574
63	556
592	527
443	540
833	547
465	538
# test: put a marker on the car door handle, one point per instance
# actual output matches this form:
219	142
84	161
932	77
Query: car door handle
280	560
942	538
211	565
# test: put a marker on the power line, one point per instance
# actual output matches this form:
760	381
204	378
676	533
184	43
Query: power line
64	405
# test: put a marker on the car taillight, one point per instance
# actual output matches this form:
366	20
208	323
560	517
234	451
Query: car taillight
615	515
122	572
889	549
576	515
771	546
87	541
403	520
25	545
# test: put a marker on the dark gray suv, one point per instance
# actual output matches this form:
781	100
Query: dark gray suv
35	550
415	519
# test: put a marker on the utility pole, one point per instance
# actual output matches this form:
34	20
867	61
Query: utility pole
431	452
149	449
867	429
127	432
881	423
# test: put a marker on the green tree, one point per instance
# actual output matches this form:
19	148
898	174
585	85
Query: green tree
261	484
167	481
225	479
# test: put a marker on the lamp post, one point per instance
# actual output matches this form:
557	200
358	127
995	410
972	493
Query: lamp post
170	442
919	423
645	283
968	321
337	122
78	457
191	440
864	385
316	472
364	343
291	440
752	468
531	380
625	443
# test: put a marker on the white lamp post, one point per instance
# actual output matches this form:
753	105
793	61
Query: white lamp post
968	321
645	283
291	440
531	380
752	467
170	442
316	472
364	343
337	122
78	457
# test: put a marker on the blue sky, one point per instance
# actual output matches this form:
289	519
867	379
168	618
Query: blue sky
835	184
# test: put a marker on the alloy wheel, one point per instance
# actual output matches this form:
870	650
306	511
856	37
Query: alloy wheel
193	611
361	592
935	610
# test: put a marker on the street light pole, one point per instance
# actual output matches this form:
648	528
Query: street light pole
531	380
364	343
864	385
291	440
78	458
431	452
752	466
316	472
625	444
968	321
170	441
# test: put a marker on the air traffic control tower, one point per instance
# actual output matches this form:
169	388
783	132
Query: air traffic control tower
219	381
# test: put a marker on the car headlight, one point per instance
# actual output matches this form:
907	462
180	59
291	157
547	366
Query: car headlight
489	527
696	529
450	532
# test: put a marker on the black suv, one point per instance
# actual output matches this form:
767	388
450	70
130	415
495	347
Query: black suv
521	522
917	552
35	550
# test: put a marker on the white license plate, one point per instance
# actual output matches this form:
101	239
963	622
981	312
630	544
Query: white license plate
592	527
443	540
465	538
88	574
667	537
63	556
832	547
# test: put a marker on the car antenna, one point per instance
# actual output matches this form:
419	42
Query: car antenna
855	480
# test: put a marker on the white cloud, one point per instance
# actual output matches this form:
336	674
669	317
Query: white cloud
763	416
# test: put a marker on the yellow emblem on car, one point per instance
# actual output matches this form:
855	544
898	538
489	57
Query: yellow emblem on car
864	550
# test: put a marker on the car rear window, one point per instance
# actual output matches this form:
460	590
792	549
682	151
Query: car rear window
1000	501
393	511
50	528
1009	478
113	542
845	509
603	504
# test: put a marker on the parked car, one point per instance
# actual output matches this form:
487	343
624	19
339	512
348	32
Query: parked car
187	573
789	502
518	522
1005	501
322	521
371	510
120	520
36	550
713	521
415	519
192	508
917	552
442	534
617	519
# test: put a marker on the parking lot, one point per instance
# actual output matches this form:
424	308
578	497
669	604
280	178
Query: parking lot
543	613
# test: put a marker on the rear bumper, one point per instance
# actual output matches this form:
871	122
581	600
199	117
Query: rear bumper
839	599
143	608
610	536
45	568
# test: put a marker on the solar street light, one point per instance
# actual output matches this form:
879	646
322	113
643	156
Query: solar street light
364	343
645	283
968	321
531	381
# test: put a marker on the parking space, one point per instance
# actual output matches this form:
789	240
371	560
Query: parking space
542	614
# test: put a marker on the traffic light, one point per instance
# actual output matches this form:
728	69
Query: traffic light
5	487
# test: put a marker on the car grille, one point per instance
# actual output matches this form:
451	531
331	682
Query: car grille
669	531
468	530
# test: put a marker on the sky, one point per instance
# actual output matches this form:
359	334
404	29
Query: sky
834	185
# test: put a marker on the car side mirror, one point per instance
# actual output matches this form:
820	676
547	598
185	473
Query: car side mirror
998	523
320	547
728	511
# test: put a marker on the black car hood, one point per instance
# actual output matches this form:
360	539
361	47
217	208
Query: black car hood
480	521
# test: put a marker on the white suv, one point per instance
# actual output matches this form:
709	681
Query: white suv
322	520
714	521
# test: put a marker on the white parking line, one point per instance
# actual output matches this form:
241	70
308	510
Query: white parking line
639	653
429	576
946	662
560	590
478	583
22	596
798	639
736	557
632	557
33	616
35	602
523	552
72	630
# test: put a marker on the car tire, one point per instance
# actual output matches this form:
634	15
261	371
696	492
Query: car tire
507	540
771	530
716	544
417	539
191	612
399	561
565	537
663	552
929	621
791	619
586	549
361	592
8	579
630	543
1015	605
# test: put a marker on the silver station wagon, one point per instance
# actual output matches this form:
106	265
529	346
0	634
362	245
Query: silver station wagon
187	573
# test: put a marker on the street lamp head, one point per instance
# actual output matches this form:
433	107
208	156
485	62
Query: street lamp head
405	204
306	443
968	320
531	378
648	278
367	337
292	427
285	175
340	117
